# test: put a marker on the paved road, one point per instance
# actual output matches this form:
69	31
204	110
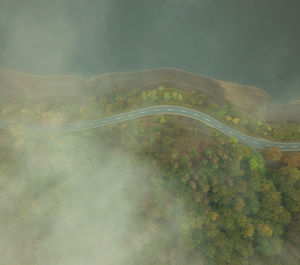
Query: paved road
257	143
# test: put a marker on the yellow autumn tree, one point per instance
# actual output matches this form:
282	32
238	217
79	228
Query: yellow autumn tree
264	229
228	118
248	231
193	184
214	216
162	119
236	120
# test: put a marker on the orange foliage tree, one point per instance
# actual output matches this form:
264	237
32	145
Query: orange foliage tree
292	159
273	153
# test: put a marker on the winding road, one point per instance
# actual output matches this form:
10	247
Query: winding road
257	143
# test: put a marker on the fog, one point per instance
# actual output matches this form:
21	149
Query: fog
71	200
252	42
70	205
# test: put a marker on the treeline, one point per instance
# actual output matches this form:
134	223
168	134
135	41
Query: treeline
57	112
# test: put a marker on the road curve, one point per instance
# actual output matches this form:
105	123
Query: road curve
257	143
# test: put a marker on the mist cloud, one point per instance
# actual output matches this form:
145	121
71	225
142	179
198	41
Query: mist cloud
79	213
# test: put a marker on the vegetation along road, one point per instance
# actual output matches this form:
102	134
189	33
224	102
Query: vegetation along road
160	109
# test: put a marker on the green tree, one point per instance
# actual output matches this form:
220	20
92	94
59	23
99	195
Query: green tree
256	162
269	246
175	95
167	96
287	180
161	88
180	97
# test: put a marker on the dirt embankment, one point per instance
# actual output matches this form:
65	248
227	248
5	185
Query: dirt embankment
247	98
14	85
281	113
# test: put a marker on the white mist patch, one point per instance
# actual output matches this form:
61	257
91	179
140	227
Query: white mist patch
93	216
71	204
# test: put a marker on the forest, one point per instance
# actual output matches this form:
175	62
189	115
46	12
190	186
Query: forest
212	200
